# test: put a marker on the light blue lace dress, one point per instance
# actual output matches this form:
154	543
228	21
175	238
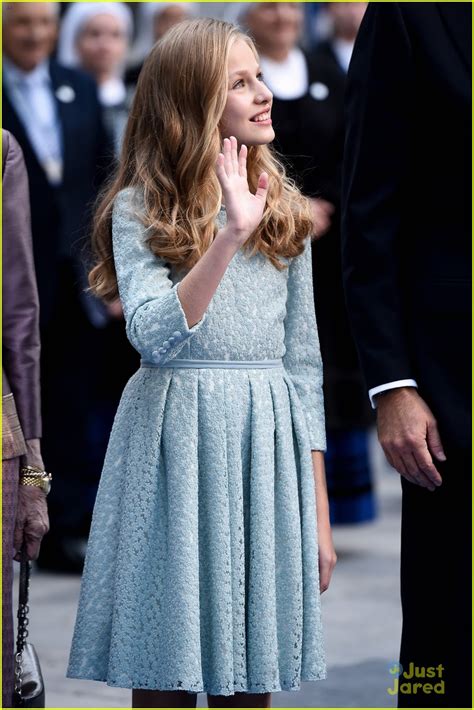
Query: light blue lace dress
201	571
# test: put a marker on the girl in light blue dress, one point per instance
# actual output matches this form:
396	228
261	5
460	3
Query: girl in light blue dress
210	542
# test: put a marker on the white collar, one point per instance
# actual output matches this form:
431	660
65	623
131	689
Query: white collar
112	92
287	79
39	75
343	51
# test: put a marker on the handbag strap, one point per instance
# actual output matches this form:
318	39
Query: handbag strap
23	609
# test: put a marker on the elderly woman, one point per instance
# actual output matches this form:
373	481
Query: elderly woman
25	483
95	37
307	113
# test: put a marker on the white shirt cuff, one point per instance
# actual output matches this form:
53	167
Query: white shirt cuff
389	386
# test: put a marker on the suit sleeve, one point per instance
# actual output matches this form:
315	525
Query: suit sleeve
302	358
20	326
376	160
156	324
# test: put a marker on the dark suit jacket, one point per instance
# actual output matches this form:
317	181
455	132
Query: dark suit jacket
325	56
406	203
61	216
21	416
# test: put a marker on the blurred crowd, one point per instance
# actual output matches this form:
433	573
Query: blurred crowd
69	76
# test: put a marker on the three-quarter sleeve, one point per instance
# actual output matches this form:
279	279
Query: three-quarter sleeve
156	324
302	358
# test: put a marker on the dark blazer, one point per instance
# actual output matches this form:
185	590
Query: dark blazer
21	416
61	216
325	56
407	203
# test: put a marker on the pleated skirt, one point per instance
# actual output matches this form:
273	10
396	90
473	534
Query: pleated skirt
201	571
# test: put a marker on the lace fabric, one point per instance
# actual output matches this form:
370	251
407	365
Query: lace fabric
201	571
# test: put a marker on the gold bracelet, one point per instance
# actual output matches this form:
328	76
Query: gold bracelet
35	476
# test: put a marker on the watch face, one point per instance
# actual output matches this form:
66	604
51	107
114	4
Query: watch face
47	484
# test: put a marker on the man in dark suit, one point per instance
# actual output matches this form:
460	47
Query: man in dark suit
406	256
54	114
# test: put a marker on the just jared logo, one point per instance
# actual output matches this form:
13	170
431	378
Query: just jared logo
407	683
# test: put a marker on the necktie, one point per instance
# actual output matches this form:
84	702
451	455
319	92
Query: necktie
42	125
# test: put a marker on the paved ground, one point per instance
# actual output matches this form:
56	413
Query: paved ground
361	611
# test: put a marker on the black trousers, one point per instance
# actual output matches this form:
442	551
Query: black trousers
436	587
83	372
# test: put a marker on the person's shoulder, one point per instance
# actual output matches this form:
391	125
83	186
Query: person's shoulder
410	13
305	253
6	138
128	204
132	196
12	153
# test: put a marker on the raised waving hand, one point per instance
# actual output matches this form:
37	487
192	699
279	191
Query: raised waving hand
244	210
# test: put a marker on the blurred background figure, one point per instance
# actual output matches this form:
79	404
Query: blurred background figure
342	25
312	13
55	115
153	20
24	510
95	37
308	117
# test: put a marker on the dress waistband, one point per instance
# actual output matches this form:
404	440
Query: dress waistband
221	364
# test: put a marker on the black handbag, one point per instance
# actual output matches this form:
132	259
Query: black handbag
29	686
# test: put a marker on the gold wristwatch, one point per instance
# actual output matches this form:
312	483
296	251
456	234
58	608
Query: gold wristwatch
35	476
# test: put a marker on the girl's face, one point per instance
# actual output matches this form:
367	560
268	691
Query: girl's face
247	97
102	44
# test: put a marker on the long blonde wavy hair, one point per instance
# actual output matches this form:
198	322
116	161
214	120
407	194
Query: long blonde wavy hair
169	152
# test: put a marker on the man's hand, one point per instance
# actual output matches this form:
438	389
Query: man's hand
32	521
115	310
408	434
322	213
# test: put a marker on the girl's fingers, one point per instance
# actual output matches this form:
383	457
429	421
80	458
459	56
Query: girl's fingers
262	187
243	161
233	153
220	169
227	158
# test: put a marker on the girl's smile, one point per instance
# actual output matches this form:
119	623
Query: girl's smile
263	118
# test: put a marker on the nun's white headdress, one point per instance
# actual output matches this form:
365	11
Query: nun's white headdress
77	16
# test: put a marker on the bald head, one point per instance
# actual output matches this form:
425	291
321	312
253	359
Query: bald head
29	32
